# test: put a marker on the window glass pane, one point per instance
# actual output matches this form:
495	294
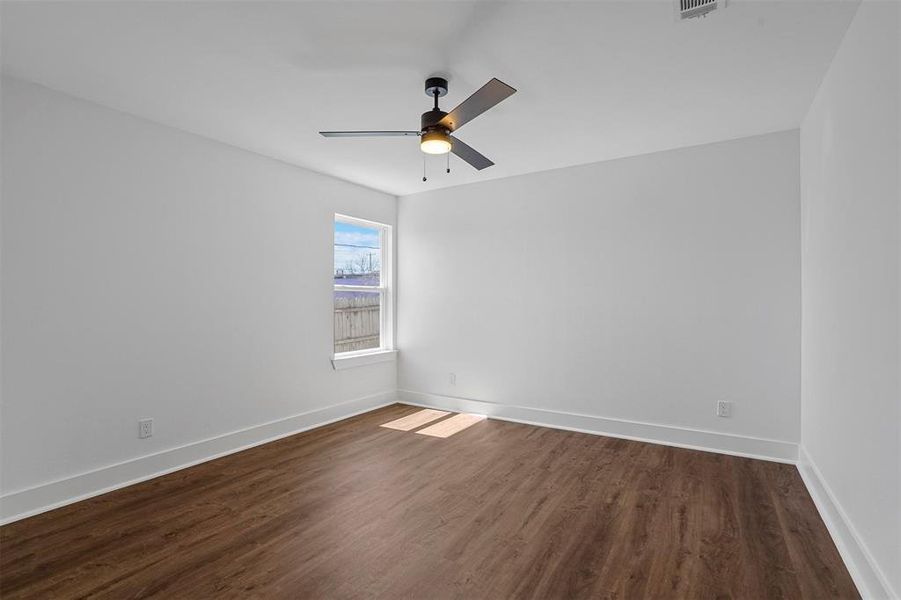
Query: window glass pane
357	321
358	254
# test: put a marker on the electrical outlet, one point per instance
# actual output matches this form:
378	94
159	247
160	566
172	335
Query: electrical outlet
145	428
723	409
452	379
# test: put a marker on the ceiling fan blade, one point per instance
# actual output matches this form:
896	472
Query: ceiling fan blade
368	133
484	98
469	154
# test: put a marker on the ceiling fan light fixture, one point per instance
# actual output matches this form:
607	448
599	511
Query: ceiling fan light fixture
435	142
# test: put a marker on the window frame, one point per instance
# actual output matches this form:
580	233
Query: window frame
384	289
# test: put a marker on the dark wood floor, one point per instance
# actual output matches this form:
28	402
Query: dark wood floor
500	510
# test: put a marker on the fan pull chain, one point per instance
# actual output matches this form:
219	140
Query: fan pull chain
424	178
448	162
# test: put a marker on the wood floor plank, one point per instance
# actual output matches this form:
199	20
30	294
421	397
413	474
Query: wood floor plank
502	510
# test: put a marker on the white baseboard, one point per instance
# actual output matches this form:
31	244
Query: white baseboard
681	437
31	501
871	582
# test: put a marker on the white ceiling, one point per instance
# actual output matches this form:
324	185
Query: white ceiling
596	80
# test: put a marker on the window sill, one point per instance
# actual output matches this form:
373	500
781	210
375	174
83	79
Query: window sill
351	360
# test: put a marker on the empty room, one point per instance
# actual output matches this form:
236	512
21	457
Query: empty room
450	299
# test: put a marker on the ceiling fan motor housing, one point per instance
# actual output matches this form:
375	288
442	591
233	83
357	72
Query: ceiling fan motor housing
430	119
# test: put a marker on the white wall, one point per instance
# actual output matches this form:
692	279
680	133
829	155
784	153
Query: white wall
850	264
643	289
149	272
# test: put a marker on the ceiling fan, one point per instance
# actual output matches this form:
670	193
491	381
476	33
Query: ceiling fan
437	126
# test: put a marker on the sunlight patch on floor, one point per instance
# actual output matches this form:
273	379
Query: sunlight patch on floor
449	427
417	419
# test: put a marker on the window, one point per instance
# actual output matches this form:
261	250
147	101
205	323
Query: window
362	280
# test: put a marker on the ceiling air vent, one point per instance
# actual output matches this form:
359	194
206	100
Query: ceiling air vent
689	9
